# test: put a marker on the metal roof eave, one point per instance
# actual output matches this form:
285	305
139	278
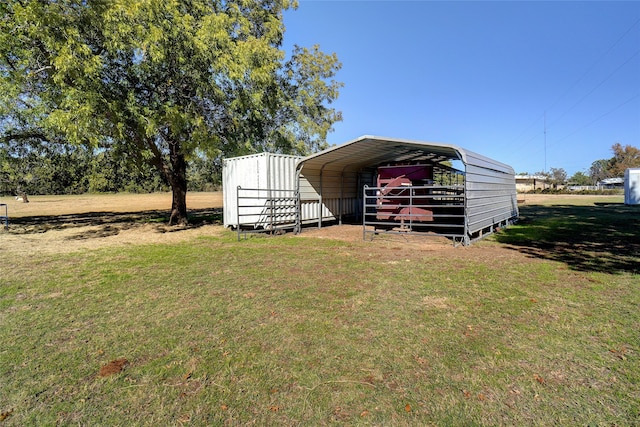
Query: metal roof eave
370	150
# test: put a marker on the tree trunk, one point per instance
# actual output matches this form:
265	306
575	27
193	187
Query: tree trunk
179	205
178	181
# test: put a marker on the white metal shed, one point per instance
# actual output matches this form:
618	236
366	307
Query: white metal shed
261	192
632	186
252	183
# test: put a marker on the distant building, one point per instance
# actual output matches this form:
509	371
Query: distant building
526	183
605	184
611	183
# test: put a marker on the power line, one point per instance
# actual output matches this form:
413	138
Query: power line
528	127
600	58
596	62
600	117
575	83
596	87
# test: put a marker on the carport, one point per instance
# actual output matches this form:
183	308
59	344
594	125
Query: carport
464	197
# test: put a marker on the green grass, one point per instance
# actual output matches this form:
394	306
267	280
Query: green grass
601	237
293	331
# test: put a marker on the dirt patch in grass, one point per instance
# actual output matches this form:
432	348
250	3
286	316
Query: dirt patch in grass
63	224
354	233
393	249
53	206
113	367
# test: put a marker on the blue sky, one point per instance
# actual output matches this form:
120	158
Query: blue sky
486	76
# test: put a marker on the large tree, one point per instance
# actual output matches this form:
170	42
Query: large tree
599	170
580	178
162	80
558	176
623	158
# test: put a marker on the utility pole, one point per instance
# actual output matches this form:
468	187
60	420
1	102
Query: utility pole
545	140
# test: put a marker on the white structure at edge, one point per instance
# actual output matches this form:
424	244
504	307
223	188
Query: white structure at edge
632	186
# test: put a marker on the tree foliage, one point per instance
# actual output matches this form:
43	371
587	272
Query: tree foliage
163	81
558	176
599	170
624	157
580	178
47	168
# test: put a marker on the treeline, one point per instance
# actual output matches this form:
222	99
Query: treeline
54	169
624	157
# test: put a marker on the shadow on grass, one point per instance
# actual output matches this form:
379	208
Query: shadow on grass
110	223
603	237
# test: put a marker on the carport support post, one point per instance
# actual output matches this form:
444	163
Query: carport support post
341	197
466	240
364	212
320	198
298	228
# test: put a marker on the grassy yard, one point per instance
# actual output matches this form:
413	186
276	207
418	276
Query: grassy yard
538	325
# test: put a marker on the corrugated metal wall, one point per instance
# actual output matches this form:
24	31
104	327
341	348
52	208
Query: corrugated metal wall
264	171
490	193
340	190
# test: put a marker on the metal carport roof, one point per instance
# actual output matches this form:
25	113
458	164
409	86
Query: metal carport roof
369	151
335	178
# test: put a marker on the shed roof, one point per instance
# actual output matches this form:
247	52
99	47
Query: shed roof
372	150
